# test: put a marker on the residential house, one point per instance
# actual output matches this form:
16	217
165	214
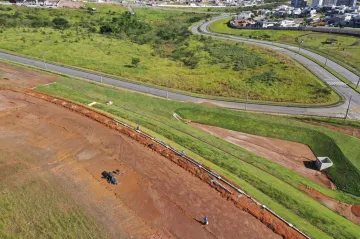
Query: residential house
296	11
245	15
244	23
298	3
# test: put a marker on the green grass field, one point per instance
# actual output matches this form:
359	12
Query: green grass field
270	183
340	122
193	64
31	207
345	50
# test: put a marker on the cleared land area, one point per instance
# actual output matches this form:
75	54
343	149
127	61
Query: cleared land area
156	47
154	197
294	156
260	177
14	76
345	50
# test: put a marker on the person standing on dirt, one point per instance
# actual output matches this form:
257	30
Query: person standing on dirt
206	221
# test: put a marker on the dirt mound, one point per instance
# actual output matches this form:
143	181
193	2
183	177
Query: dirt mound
355	209
294	156
342	129
344	209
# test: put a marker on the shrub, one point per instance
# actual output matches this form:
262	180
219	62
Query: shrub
60	23
135	61
106	29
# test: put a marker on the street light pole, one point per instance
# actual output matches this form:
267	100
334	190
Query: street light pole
357	85
247	95
101	77
325	61
348	108
167	89
300	45
44	59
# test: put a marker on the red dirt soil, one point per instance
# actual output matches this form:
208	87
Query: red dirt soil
288	154
351	212
355	209
21	77
338	128
155	197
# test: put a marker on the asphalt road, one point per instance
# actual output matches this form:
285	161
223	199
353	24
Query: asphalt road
319	71
338	111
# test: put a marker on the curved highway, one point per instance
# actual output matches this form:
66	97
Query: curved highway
338	111
319	71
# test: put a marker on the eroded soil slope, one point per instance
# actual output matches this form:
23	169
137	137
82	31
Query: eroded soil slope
295	156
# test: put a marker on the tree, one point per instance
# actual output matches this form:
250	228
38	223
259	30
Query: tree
135	61
60	23
105	29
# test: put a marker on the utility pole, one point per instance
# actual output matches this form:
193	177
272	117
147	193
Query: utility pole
348	108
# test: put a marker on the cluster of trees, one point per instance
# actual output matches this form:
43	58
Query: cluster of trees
30	18
235	54
268	77
125	23
231	56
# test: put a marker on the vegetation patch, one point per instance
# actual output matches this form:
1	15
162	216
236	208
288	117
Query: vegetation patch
342	49
31	207
168	54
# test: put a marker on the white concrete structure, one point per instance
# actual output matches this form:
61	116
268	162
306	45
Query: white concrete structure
297	11
323	163
288	23
312	12
268	24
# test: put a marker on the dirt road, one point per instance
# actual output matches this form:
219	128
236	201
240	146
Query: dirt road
155	198
294	156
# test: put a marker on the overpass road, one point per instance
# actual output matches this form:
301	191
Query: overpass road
337	111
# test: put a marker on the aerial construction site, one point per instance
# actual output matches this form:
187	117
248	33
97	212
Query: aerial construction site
159	193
